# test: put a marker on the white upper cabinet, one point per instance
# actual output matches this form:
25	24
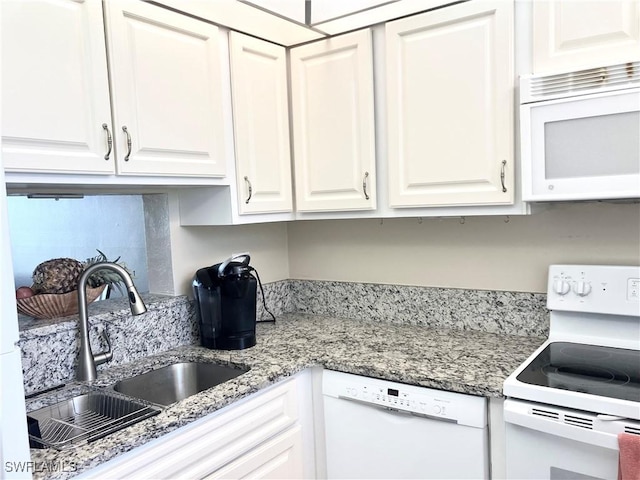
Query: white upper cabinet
325	10
261	125
167	92
333	124
55	95
450	106
570	35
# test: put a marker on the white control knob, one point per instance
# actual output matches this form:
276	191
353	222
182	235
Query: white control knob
561	287
437	409
582	288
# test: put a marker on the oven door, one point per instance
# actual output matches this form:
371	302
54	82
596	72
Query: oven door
552	443
582	148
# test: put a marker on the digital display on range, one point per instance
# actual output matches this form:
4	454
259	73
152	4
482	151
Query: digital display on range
392	392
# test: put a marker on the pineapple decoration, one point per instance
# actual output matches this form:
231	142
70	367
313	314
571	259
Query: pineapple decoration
55	285
61	275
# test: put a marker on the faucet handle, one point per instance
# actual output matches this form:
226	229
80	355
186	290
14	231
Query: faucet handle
107	355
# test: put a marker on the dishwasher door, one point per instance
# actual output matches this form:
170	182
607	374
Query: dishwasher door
379	429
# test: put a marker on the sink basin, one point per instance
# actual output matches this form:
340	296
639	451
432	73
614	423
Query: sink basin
175	382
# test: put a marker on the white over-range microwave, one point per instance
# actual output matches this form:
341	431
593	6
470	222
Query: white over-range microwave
580	134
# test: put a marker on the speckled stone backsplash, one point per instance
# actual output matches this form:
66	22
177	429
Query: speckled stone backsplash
278	298
512	313
50	347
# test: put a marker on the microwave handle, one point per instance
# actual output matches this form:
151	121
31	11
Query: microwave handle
515	416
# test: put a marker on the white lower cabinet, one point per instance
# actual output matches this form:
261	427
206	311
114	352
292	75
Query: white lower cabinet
280	457
260	437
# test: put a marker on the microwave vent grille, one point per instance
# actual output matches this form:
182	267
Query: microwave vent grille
576	83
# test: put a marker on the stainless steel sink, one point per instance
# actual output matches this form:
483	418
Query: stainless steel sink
175	382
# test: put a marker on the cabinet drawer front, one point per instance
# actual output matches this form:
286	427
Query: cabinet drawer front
279	458
209	444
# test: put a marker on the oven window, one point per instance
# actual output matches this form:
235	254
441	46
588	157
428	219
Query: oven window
602	145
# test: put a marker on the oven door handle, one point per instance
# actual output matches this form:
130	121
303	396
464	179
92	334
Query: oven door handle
517	413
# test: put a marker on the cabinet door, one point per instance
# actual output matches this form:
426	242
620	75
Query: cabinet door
55	92
450	106
569	35
279	458
166	76
261	125
333	124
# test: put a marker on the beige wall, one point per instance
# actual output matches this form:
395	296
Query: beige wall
482	253
197	247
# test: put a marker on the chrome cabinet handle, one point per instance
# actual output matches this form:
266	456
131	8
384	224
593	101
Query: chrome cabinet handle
364	185
109	141
126	131
246	179
504	164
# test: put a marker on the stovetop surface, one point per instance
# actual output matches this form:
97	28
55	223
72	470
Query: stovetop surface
597	370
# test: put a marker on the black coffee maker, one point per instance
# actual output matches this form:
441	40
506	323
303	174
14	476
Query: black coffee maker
225	299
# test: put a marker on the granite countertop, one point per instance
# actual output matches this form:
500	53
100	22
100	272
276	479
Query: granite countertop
469	362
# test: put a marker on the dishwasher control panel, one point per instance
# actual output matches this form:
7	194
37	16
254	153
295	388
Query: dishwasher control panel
428	402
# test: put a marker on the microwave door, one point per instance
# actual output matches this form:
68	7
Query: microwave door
582	148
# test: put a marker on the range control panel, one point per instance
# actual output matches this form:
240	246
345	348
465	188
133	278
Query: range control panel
436	404
605	289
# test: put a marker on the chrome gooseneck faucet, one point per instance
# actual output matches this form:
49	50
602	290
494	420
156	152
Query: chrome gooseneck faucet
87	362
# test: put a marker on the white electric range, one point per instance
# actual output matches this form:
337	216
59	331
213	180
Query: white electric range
571	399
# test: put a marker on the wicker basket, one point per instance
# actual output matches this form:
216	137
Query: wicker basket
52	305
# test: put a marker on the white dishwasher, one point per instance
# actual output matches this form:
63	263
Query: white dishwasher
380	429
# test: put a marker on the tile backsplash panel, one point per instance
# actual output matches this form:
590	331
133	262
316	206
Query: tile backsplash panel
50	347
